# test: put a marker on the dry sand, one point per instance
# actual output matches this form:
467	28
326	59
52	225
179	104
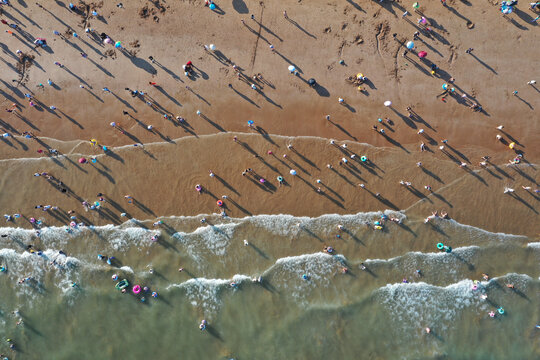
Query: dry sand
162	176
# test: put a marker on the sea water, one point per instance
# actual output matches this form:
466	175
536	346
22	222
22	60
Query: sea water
372	298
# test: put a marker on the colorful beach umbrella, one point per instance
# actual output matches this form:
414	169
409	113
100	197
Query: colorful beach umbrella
291	68
422	54
387	103
410	45
82	160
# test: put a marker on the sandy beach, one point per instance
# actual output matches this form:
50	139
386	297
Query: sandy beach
314	38
117	137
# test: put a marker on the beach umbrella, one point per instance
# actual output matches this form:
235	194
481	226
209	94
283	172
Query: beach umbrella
292	172
312	82
108	40
422	54
212	47
410	45
118	45
291	68
415	5
82	160
445	86
506	9
387	103
212	6
423	20
250	122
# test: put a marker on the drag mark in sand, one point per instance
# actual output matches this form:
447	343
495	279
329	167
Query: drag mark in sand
258	37
379	29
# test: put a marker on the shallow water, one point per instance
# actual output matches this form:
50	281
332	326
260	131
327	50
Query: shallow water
370	313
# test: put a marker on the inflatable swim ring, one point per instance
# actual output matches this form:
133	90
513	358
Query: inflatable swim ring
440	246
154	294
500	310
136	289
114	277
122	284
378	227
219	203
363	158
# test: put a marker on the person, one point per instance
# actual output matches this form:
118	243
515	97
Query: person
469	50
422	147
